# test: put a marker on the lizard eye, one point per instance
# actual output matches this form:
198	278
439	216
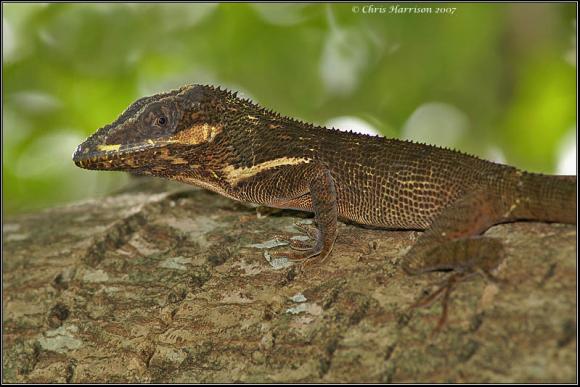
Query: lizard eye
161	121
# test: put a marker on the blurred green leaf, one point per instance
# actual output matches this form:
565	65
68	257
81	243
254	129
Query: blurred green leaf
491	79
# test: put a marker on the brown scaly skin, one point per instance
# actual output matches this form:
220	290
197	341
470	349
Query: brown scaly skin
208	137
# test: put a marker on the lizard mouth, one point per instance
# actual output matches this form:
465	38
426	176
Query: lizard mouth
113	157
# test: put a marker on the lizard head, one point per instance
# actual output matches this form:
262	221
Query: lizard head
155	131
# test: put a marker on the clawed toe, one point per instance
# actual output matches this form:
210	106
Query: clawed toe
305	257
309	230
444	290
307	251
299	245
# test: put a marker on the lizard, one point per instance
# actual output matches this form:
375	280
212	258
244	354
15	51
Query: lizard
209	137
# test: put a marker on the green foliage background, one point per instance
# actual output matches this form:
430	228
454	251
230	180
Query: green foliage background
508	69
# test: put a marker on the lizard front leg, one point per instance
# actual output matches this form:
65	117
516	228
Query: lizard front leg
307	186
323	196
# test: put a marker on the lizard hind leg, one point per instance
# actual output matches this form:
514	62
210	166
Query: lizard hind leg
468	254
453	242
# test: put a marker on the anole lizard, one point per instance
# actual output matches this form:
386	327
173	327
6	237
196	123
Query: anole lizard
209	137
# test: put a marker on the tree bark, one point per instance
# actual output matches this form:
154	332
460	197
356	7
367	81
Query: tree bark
180	286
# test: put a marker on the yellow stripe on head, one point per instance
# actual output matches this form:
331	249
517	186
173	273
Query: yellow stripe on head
106	148
197	134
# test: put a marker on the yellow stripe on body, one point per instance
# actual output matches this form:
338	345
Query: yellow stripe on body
234	175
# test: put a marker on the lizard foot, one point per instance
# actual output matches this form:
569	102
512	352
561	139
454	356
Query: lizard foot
294	244
309	230
446	288
303	255
313	255
301	244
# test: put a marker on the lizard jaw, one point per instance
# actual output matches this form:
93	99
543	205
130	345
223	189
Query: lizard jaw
112	157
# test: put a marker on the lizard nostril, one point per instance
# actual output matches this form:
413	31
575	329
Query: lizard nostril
76	153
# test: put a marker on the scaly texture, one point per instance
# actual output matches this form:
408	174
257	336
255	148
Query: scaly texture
211	138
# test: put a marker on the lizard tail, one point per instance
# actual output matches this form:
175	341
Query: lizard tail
547	198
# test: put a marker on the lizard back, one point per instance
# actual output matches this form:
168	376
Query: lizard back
379	181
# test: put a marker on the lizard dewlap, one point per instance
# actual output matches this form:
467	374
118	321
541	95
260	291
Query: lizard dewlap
209	137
